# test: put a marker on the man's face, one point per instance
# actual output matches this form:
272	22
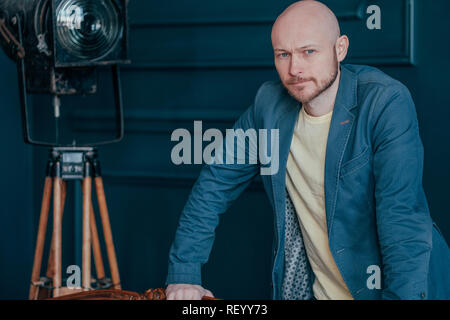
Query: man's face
305	59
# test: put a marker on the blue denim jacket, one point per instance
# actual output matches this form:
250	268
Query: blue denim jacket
377	212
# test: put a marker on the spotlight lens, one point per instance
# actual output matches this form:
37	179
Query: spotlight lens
88	29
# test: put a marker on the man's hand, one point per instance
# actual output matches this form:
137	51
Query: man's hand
185	291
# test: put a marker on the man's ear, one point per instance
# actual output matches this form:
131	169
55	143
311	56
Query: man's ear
342	44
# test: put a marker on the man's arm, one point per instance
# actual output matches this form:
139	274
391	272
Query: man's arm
403	219
214	191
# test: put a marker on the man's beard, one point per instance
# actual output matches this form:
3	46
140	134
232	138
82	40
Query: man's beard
320	88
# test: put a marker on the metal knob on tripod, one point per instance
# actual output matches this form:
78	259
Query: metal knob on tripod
82	164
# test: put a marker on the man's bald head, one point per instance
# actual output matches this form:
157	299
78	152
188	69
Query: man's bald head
309	15
308	48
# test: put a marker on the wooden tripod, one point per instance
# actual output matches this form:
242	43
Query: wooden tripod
77	163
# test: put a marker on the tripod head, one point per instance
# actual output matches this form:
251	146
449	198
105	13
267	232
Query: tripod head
72	162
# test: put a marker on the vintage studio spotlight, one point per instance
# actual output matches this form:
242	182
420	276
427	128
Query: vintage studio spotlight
58	46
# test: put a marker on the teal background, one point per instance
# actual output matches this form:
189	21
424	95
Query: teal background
202	60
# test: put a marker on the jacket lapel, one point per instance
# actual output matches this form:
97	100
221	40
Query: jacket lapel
285	124
341	124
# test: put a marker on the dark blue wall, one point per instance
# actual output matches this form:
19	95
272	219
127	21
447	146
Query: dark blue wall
16	192
204	60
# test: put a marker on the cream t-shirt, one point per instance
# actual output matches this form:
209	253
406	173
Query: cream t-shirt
305	184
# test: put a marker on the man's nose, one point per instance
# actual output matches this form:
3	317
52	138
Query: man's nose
296	66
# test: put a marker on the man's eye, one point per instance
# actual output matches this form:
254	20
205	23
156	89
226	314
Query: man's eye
310	51
284	55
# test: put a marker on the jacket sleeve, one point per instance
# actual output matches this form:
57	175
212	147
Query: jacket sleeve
403	221
214	191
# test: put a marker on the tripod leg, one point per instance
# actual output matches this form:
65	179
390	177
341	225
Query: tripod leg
57	230
86	269
50	265
40	238
96	247
107	232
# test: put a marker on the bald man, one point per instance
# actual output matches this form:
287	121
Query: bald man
352	220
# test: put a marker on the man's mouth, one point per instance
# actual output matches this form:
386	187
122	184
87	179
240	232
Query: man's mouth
295	83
